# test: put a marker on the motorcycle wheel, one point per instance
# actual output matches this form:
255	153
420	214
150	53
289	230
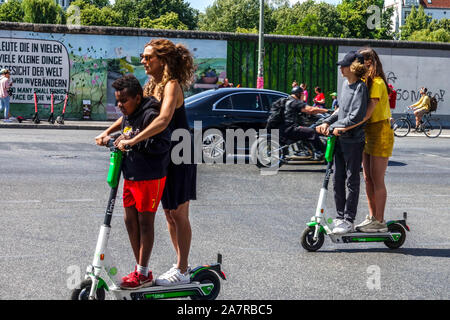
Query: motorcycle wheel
265	154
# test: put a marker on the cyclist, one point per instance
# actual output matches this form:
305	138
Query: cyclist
421	107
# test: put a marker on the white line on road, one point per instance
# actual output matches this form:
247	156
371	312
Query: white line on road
19	201
75	200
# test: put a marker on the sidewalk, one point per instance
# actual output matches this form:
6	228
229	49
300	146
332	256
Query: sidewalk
68	124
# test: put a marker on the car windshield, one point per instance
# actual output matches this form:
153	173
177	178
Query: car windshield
198	96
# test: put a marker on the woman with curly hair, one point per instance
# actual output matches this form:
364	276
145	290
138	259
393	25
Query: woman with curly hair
379	142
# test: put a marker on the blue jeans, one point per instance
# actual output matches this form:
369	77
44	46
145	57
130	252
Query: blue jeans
4	104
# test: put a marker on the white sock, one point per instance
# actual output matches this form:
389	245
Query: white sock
142	270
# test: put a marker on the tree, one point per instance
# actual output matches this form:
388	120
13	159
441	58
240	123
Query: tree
92	15
43	11
356	16
308	18
417	20
229	15
132	11
169	20
439	35
11	11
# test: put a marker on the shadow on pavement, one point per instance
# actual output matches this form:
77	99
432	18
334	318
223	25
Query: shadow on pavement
416	252
396	164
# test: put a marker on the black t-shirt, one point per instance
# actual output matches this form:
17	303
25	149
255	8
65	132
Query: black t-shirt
292	109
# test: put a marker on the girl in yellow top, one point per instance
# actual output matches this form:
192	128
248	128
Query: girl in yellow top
379	142
421	107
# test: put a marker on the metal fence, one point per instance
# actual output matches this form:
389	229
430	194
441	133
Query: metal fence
313	64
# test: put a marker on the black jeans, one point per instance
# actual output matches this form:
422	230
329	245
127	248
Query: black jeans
347	168
298	133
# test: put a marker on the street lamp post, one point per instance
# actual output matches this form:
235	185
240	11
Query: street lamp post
260	79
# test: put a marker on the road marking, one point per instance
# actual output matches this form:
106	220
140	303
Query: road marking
434	155
75	200
23	257
20	201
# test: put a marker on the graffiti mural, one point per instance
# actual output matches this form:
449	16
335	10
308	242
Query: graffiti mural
86	65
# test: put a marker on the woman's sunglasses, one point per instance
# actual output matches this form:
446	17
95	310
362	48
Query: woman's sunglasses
146	57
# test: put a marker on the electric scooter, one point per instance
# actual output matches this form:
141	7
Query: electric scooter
60	119
51	119
35	118
102	274
321	223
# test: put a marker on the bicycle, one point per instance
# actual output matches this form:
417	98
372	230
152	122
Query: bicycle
431	127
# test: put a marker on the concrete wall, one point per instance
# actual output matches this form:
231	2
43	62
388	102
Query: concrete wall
410	69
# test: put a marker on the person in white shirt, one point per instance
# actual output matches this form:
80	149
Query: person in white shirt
5	84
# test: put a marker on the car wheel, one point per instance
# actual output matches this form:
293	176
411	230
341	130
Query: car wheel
213	148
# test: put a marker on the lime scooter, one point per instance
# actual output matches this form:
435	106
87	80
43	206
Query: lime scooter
102	274
321	224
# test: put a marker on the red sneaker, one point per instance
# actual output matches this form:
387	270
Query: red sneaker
137	281
124	279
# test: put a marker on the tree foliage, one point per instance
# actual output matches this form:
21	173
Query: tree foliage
229	15
132	11
359	21
417	20
11	11
308	19
363	19
420	27
169	21
43	11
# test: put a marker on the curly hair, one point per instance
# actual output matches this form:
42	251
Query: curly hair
130	83
178	65
358	68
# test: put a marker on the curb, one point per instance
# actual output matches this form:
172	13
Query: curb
54	126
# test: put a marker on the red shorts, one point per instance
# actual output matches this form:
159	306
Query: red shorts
145	195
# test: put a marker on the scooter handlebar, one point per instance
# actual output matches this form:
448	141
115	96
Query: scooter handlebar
112	147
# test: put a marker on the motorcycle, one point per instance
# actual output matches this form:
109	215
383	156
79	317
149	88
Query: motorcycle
272	150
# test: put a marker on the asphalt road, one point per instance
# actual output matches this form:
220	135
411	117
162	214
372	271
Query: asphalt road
54	194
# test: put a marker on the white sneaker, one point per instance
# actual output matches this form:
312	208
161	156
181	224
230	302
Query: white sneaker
173	277
343	226
374	226
367	221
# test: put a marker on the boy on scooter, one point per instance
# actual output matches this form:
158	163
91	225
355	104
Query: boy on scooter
353	100
144	170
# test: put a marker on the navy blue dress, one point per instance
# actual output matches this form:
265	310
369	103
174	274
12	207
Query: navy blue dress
181	180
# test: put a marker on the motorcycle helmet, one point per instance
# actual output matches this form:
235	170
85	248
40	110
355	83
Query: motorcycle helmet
297	91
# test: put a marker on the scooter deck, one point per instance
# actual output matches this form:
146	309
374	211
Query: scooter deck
165	292
365	237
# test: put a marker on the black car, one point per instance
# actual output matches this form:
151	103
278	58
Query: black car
229	108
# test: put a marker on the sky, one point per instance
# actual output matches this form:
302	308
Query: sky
202	4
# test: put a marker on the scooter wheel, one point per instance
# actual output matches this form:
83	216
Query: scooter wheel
397	228
308	242
207	276
82	293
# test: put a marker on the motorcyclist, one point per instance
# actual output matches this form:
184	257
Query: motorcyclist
293	131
